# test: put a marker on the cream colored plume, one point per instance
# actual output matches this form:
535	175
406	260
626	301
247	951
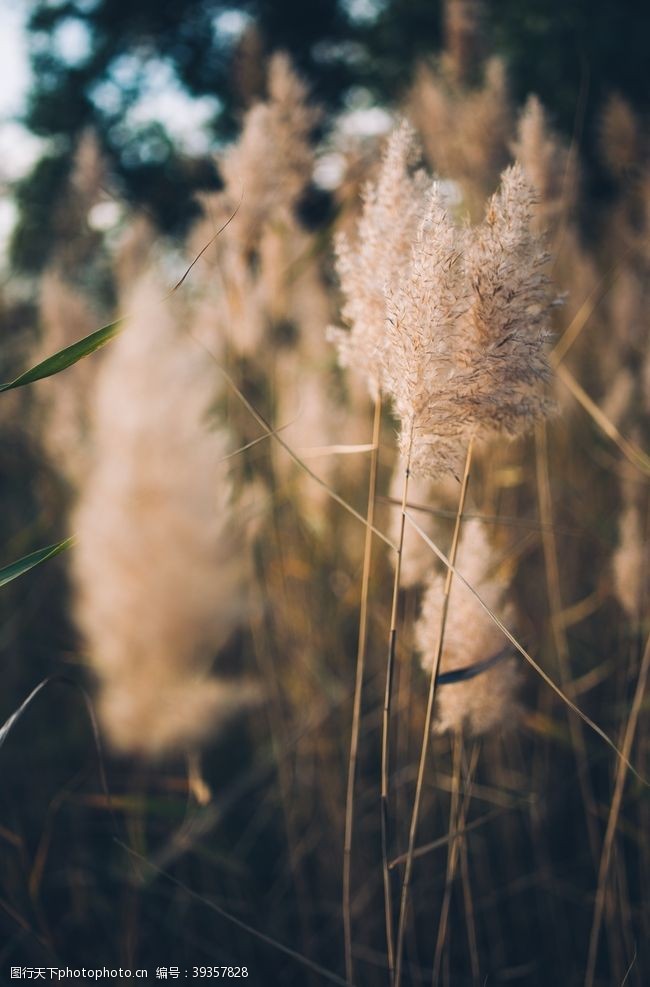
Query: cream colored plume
465	132
272	162
371	267
510	314
489	700
159	566
467	325
547	163
422	357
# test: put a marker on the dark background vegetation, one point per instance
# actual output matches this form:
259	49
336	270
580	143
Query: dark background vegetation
71	898
570	52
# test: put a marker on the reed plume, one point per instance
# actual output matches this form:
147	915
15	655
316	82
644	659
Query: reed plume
487	701
371	266
547	163
270	165
465	131
159	569
467	328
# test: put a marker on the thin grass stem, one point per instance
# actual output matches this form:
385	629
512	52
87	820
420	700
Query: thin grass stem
454	824
358	690
385	735
472	940
408	869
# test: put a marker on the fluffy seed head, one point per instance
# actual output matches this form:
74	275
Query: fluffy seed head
272	162
371	267
159	567
488	701
546	163
464	350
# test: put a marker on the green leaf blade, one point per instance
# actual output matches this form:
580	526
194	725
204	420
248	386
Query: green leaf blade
66	357
15	569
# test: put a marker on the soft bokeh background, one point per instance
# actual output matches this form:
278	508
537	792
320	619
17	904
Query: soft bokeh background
175	794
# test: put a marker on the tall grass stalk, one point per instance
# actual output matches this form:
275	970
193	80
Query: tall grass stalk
408	867
457	852
465	876
358	690
454	824
638	457
385	735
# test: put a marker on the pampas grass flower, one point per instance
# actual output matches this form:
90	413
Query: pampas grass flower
159	571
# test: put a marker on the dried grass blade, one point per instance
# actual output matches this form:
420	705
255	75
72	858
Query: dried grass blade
358	690
415	815
636	456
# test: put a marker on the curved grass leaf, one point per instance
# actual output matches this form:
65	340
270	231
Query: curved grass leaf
66	357
16	569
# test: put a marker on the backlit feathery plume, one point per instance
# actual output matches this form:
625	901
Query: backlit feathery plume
510	313
546	163
465	131
488	700
159	567
423	356
252	272
373	265
272	162
467	327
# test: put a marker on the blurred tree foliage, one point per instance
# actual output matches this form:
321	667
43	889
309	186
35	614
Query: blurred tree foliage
215	48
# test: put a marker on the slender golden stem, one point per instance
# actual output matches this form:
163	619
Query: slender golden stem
454	825
464	870
408	868
385	734
358	688
457	848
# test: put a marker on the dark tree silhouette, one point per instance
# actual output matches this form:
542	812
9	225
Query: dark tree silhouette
556	48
